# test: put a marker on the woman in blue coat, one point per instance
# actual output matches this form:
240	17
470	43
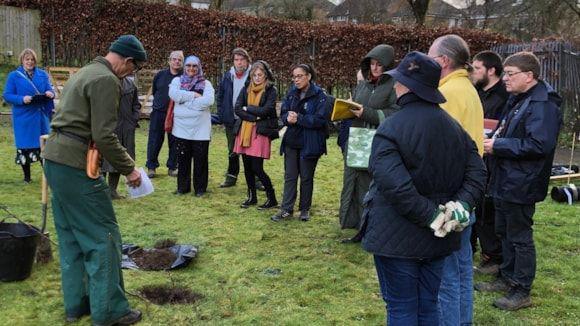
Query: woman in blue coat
29	91
304	114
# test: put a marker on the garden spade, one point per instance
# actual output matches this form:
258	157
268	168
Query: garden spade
44	252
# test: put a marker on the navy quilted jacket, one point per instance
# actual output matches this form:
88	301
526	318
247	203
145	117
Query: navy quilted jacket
420	158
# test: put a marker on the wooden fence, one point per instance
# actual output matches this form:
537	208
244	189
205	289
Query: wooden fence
19	29
560	67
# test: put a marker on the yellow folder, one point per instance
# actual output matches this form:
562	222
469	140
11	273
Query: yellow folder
341	109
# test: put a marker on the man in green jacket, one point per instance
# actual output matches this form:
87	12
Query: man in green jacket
88	234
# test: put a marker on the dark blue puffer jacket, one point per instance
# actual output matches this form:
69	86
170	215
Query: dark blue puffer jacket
523	153
420	158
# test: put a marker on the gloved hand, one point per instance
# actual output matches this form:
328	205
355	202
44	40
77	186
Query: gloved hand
459	212
440	216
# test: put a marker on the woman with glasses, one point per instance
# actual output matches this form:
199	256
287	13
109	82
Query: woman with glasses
258	125
193	95
377	96
304	114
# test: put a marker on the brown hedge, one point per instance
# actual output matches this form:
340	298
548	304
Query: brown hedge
84	28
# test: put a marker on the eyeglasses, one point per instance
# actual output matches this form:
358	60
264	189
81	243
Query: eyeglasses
510	74
297	77
136	67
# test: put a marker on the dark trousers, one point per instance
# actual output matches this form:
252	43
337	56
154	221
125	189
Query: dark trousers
155	141
513	224
410	288
188	151
254	167
295	167
485	229
233	158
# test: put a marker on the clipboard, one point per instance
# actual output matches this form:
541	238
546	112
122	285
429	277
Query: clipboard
341	109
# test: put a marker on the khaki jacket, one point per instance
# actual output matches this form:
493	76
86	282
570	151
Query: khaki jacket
89	109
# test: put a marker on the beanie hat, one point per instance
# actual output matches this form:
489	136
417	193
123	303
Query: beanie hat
129	46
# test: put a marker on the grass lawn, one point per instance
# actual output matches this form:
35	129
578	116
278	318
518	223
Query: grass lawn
253	271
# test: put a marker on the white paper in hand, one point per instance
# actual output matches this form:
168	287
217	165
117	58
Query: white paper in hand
144	189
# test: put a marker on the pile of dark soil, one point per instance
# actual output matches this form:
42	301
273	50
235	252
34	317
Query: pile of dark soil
164	243
164	294
153	259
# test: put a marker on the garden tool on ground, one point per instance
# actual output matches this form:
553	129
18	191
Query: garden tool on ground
44	251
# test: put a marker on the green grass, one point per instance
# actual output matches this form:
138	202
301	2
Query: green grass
321	282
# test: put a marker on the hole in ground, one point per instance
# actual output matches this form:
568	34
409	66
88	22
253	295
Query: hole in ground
164	294
153	259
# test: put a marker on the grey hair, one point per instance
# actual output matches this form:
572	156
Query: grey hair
455	48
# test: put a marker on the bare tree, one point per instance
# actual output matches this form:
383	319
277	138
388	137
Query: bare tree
419	8
216	4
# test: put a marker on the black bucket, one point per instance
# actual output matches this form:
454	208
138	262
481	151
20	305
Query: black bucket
18	242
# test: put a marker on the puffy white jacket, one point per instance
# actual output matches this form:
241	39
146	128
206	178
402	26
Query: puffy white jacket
192	118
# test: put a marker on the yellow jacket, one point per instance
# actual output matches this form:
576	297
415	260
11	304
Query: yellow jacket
463	104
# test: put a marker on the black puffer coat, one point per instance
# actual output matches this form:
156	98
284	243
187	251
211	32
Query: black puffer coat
420	158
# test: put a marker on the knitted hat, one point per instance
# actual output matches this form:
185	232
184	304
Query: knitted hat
129	46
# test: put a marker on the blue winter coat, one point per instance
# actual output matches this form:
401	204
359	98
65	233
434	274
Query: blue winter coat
420	158
309	133
522	157
29	121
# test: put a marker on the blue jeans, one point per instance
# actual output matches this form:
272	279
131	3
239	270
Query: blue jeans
456	292
409	287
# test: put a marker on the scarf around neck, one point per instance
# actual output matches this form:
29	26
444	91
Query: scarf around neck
193	83
255	93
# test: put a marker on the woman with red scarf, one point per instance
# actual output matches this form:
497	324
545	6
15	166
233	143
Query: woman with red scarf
377	96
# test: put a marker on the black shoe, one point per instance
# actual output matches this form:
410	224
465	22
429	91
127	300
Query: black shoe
355	239
115	195
487	268
230	181
269	204
74	319
304	216
200	194
516	299
172	172
249	202
151	173
497	285
131	318
282	214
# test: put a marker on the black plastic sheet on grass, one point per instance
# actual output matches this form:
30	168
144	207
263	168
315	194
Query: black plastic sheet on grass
173	257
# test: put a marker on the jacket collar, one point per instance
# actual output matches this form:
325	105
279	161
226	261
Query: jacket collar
410	98
540	91
456	74
312	91
104	61
22	70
